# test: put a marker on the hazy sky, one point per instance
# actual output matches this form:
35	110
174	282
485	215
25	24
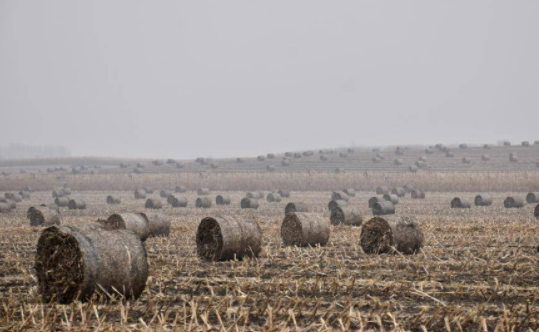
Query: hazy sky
236	78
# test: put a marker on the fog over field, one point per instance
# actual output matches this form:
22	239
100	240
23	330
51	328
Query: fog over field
240	78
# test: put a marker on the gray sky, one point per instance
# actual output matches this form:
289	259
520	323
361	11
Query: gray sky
235	78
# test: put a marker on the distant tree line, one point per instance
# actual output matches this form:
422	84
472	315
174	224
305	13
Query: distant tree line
25	151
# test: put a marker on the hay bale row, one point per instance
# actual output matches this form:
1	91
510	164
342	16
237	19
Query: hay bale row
483	200
459	203
345	215
222	200
514	202
305	229
377	236
294	207
43	216
249	203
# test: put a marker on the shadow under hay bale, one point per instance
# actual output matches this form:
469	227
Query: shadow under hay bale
140	194
532	198
158	224
284	193
483	200
203	191
225	238
294	207
400	192
417	194
222	200
305	229
76	204
459	203
203	202
382	208
351	192
133	222
180	189
77	262
345	215
394	199
112	200
61	201
373	200
273	198
255	194
42	216
152	203
249	203
177	201
514	202
382	190
335	203
339	196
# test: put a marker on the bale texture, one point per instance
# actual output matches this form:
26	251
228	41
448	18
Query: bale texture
76	204
376	236
400	192
76	262
42	216
483	200
203	202
394	199
407	236
112	200
335	203
222	200
152	203
9	202
61	201
249	203
294	207
158	224
273	198
305	229
532	198
339	196
381	208
459	203
140	194
133	222
345	215
514	202
417	194
203	191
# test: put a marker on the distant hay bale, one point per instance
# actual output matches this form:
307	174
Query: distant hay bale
113	200
373	200
225	238
137	171
165	193
463	146
42	216
158	224
177	201
133	222
214	165
408	188
351	192
376	160
400	192
305	229
297	155
466	160
14	197
222	200
532	198
76	204
506	143
382	208
270	156
323	157
394	199
288	154
9	202
513	157
483	199
171	161
439	146
459	203
203	191
75	262
255	194
382	190
249	203
339	196
148	190
343	155
398	162
335	203
152	203
345	215
376	236
261	158
124	165
381	156
308	153
5	207
449	154
140	194
24	194
180	189
423	159
270	168
66	191
273	198
417	194
485	157
180	165
157	163
350	150
413	168
487	146
285	162
61	201
203	202
139	165
58	193
526	144
284	193
293	207
514	202
339	170
240	160
399	150
429	151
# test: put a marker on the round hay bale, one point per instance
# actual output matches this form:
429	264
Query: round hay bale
399	150
61	201
58	193
255	194
203	202
222	200
158	224
343	155
29	189
394	199
5	207
418	194
381	208
273	198
66	191
449	154
373	200
148	190
203	191
487	147
42	216
180	165
180	189
339	196
240	160
305	229
24	194
323	157
506	143
429	151
420	164
526	144
382	190
376	160
112	200
351	192
152	203
76	262
158	163
463	146
398	162
139	165
177	201
297	155
11	203
514	202
400	192
485	157
423	159
165	193
76	204
376	236
532	198
339	170
407	236
513	157
133	222
140	194
249	203
270	156
224	238
483	200
335	203
285	162
408	188
284	193
288	154
214	165
459	203
270	168
261	158
466	160
413	168
381	156
345	215
171	161
536	212
294	207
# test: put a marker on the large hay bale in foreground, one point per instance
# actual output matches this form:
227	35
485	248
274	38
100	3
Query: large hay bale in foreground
140	194
400	192
42	216
376	236
459	203
382	190
394	199
249	203
224	238
304	229
339	196
284	193
335	203
373	200
203	202
273	198
113	200
134	222
222	200
177	201
76	262
514	202
203	191
351	192
152	203
532	198
61	201
381	208
483	199
407	236
76	204
294	207
158	224
345	215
